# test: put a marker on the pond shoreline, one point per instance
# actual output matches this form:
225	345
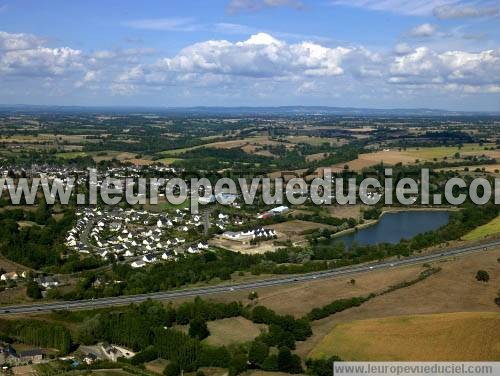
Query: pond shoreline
387	210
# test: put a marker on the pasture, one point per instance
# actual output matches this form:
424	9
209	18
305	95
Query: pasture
489	229
393	156
467	336
232	331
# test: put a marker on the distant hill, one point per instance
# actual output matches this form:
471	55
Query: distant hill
247	111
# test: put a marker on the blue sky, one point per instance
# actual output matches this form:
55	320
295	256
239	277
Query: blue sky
361	53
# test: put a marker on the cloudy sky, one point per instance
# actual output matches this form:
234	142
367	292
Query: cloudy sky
359	53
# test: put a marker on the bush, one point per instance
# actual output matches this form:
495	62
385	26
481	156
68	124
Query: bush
288	362
258	353
482	276
33	290
214	357
144	356
238	364
271	363
336	306
253	295
321	367
198	329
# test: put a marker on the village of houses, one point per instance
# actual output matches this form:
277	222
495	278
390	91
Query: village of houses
140	237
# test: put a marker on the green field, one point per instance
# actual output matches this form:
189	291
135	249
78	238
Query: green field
71	155
481	232
440	152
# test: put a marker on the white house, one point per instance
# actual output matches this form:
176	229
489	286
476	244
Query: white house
149	258
279	210
47	282
138	264
9	276
167	256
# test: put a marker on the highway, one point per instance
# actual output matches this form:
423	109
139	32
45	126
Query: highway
201	291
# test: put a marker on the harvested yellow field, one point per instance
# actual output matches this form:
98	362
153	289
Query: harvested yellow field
231	331
167	161
489	229
439	152
453	289
140	161
109	155
315	157
248	144
297	226
345	211
360	163
411	155
466	336
390	157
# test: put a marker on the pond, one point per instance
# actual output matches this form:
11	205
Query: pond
392	227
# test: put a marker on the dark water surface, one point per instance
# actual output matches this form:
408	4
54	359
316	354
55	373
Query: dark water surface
392	227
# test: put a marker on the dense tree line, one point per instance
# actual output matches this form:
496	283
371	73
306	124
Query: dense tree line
42	244
336	306
37	333
148	329
372	213
340	305
34	246
332	221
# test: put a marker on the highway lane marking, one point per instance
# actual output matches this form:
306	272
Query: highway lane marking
103	302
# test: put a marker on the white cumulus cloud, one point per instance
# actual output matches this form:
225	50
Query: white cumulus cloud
18	41
263	65
259	56
460	67
423	30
